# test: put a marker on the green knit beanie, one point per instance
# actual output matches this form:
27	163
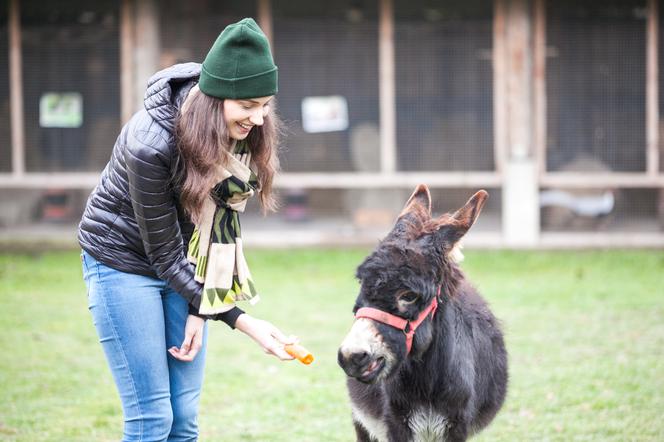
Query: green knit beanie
239	64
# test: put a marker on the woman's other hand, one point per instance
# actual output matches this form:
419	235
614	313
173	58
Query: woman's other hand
193	340
269	337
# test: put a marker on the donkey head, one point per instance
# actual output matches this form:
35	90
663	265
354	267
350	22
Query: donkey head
400	285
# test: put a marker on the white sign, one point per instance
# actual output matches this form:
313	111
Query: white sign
324	114
61	109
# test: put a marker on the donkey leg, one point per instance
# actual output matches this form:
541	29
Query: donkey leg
398	432
361	433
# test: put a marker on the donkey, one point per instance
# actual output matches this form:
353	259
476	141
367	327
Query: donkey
425	357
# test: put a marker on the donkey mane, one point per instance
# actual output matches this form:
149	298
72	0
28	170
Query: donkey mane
419	222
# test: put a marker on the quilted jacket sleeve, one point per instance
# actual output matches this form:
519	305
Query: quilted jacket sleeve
147	158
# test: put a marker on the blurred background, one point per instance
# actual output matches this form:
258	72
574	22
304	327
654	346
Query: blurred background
554	107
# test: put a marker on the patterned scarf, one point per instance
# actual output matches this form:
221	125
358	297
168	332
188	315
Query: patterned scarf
216	245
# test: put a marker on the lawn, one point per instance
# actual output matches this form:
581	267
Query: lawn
585	333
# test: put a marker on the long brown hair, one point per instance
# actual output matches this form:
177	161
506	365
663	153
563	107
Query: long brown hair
202	139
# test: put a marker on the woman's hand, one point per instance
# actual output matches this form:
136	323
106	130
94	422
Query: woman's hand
266	335
193	340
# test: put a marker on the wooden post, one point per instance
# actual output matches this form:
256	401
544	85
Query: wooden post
519	80
652	90
16	89
499	104
521	225
265	20
539	79
126	60
146	48
387	87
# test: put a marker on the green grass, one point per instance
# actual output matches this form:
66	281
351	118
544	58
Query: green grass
585	333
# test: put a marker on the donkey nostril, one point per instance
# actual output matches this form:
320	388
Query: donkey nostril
360	359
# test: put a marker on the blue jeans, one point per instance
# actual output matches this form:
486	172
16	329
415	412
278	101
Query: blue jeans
137	319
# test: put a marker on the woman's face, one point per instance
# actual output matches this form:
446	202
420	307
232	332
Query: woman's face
242	115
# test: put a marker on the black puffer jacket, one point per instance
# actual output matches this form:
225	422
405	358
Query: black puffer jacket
133	221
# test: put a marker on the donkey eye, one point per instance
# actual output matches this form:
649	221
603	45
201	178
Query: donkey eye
408	297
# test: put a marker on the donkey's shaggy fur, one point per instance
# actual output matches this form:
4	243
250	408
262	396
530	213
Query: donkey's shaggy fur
454	380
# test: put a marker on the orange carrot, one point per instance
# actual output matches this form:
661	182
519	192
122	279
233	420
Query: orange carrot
299	352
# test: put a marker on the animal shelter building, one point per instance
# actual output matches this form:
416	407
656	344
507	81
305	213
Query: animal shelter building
554	107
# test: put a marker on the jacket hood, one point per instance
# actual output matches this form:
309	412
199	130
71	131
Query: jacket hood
166	91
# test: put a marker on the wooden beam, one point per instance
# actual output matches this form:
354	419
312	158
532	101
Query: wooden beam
387	87
376	180
290	180
539	86
652	89
46	180
499	73
126	60
388	180
590	180
16	89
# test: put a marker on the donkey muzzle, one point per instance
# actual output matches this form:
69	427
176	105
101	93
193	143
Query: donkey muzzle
363	354
361	365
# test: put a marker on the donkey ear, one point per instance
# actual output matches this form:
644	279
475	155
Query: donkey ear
417	209
454	227
421	198
467	215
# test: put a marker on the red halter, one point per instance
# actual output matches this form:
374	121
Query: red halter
408	327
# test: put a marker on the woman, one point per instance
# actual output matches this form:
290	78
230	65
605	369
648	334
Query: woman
152	278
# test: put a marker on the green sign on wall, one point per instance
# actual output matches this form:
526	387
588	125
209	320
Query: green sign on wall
61	109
